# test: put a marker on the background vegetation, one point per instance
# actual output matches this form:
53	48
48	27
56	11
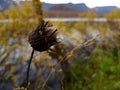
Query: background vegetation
100	71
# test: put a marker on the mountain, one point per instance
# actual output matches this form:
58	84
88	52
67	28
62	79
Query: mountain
77	7
61	7
61	10
104	9
5	4
48	6
65	8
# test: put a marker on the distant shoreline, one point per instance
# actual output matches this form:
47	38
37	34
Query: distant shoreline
66	20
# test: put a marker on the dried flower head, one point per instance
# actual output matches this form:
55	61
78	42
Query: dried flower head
43	37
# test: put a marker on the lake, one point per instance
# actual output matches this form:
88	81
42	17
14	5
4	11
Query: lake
80	19
66	20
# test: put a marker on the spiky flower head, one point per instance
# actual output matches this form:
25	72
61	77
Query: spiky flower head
43	37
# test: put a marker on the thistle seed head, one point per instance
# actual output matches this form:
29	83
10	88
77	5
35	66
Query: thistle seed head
43	37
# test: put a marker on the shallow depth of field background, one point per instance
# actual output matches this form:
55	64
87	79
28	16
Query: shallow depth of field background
100	70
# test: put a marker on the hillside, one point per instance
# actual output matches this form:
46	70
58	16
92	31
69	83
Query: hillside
73	10
76	7
62	10
104	10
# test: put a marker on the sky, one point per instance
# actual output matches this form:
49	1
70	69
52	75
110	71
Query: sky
89	3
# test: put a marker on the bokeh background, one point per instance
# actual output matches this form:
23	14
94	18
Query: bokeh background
94	67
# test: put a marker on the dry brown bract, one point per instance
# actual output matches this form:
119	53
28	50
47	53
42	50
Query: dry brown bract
43	37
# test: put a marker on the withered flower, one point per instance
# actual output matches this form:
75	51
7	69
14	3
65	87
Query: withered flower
43	37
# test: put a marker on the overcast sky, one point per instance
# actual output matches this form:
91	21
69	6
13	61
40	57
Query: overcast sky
89	3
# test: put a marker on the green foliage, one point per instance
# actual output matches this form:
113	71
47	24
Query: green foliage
20	21
91	15
80	26
114	15
100	73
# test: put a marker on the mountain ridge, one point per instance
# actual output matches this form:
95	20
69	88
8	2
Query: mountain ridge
79	7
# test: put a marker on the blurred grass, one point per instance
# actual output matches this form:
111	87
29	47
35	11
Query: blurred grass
100	73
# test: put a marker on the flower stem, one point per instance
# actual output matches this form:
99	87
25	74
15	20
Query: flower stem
28	69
